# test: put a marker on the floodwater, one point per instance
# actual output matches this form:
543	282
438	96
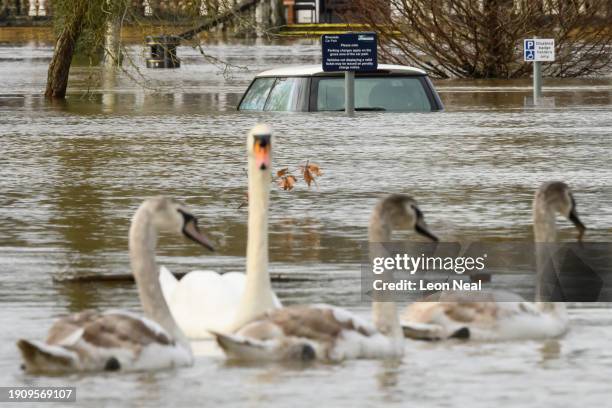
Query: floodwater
71	175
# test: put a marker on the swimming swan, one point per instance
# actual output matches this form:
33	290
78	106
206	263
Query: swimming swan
206	300
503	316
120	340
328	333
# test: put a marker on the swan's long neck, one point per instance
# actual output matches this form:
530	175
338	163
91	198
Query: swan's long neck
142	243
258	295
544	224
545	234
384	314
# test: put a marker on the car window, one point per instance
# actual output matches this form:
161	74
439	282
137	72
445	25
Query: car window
256	96
283	95
396	94
330	95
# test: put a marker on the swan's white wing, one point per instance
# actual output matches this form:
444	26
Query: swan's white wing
307	332
236	279
204	301
528	320
92	341
168	282
501	316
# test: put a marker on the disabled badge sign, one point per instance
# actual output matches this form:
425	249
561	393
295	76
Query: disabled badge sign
539	49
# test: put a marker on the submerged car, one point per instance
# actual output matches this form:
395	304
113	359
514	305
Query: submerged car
307	88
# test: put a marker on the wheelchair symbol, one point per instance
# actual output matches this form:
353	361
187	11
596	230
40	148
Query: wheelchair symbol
529	55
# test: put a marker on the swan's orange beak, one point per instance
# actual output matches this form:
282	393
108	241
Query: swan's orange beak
261	150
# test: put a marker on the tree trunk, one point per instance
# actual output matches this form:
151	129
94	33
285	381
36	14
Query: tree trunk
59	68
491	10
112	43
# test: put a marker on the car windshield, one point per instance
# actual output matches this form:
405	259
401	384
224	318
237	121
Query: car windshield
257	95
272	94
283	95
397	94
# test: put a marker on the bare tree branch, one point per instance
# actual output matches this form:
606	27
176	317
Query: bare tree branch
483	38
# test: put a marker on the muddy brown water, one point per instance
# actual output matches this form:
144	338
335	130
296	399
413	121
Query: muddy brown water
71	175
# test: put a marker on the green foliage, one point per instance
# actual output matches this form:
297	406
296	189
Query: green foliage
90	44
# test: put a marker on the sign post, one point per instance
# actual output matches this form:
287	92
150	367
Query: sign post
537	81
349	92
350	52
537	50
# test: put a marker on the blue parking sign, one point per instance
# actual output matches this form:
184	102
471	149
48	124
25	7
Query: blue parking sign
539	49
529	50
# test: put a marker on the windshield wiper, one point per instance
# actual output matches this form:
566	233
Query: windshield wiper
363	109
370	108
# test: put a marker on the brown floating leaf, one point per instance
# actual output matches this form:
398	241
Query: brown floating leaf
308	178
314	169
287	182
309	172
282	172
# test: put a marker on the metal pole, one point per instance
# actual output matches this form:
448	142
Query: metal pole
537	82
349	92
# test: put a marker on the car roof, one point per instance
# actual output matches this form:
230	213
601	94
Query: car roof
317	70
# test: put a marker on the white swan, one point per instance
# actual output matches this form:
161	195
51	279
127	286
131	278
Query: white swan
329	333
204	301
120	340
504	316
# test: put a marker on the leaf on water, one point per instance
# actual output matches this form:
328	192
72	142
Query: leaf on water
308	178
310	171
287	182
314	169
